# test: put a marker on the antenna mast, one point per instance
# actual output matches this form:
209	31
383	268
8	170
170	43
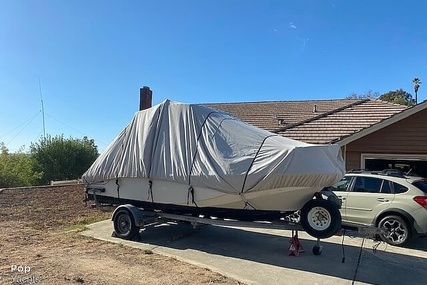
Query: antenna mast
41	99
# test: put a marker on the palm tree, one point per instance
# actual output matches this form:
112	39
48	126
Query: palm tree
416	81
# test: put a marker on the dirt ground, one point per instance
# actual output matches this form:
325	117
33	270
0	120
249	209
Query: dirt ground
40	244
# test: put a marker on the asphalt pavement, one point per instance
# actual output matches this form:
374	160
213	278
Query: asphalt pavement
261	256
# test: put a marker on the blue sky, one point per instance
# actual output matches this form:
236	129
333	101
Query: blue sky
91	57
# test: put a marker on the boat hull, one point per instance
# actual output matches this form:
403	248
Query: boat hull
160	192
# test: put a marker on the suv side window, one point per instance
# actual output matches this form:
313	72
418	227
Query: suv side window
341	185
368	185
399	188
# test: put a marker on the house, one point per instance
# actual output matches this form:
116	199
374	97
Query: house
373	134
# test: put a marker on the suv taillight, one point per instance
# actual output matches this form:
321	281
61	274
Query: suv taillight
422	200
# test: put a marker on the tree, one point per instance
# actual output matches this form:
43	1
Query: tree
61	159
16	169
368	95
416	81
398	97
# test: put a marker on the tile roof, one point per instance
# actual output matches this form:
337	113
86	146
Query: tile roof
274	115
332	121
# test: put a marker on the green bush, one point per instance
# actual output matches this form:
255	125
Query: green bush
57	158
16	169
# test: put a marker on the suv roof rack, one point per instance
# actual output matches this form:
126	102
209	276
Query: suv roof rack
390	172
358	170
385	172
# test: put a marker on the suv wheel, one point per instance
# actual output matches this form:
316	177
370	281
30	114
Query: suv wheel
396	230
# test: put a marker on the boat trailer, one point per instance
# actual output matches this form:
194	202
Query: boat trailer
129	219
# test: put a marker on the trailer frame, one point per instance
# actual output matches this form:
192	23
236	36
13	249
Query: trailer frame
129	219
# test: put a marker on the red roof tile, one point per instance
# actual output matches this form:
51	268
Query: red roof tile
333	119
274	115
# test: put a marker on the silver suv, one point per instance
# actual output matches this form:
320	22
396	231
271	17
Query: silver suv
389	199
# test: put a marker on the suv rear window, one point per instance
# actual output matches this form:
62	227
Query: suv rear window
399	188
421	184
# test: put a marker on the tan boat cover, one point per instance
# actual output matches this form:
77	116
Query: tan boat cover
203	147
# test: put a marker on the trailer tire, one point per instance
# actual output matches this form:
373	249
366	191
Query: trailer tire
124	224
320	218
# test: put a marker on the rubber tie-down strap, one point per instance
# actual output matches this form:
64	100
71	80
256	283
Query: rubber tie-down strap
197	144
98	205
191	192
246	202
150	191
155	141
253	160
118	188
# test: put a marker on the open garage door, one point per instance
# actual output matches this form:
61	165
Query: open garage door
407	163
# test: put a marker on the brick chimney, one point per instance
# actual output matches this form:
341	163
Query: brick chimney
145	98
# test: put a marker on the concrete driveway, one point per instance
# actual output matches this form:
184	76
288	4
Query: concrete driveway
259	256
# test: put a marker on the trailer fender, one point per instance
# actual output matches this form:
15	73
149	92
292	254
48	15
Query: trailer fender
139	215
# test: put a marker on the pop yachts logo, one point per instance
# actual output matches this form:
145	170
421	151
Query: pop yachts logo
21	274
19	279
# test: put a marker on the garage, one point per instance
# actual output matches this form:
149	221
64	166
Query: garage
411	164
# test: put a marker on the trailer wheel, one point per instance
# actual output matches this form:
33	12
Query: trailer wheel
124	225
320	218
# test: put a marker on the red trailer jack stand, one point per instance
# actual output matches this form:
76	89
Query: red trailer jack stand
295	247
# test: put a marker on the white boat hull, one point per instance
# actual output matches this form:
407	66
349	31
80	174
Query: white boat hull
165	192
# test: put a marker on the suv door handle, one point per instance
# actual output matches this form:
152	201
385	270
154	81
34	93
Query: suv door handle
383	200
341	198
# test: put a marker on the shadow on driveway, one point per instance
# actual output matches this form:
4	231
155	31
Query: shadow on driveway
388	265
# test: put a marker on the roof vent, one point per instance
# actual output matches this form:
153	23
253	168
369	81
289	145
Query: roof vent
281	122
314	108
